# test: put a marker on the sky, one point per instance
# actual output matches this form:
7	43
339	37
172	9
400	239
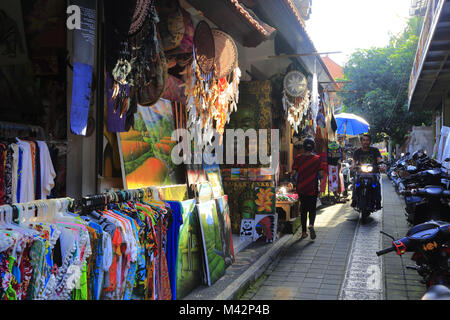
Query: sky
346	25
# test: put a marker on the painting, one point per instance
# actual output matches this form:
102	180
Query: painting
266	227
173	193
216	182
241	200
189	266
223	211
247	229
146	148
265	200
212	241
204	192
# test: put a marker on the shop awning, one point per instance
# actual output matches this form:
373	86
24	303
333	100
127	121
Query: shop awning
232	17
430	77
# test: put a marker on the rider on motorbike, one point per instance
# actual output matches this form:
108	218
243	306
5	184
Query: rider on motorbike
368	155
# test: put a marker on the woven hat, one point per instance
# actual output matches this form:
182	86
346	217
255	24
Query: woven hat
171	25
204	47
226	53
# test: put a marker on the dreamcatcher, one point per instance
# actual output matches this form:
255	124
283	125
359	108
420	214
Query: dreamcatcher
295	97
135	59
212	88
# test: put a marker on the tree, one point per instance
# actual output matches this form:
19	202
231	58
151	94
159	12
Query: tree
379	88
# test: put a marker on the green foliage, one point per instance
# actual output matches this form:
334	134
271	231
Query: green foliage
379	91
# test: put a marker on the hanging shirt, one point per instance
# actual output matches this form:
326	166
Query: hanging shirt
335	154
48	173
26	176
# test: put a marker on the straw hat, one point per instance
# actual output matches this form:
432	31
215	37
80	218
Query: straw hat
226	53
204	47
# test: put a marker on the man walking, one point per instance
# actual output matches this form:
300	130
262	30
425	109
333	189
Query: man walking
308	166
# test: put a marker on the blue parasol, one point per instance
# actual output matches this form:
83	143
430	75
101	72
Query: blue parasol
351	124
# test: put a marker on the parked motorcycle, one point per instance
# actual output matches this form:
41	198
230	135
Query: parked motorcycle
426	202
430	243
430	202
366	184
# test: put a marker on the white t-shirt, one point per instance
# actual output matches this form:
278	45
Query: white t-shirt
48	173
26	176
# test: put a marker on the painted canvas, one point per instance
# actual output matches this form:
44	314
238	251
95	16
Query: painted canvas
190	258
204	192
266	227
212	241
216	182
173	193
223	211
146	148
247	229
265	200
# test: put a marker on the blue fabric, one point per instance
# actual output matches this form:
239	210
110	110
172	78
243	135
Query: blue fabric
99	262
19	174
81	95
172	244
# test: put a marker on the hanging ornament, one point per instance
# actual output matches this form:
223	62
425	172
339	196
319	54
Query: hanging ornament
212	88
295	97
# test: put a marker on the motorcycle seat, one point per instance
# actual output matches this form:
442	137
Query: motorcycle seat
425	226
437	292
434	190
413	199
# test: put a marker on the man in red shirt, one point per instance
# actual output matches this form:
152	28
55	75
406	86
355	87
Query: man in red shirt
308	166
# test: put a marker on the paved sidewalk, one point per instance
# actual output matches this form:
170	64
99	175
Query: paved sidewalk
310	270
400	283
249	265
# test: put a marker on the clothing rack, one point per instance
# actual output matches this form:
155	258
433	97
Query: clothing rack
89	203
20	130
31	206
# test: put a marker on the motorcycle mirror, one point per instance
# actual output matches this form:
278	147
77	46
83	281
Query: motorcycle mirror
388	235
447	160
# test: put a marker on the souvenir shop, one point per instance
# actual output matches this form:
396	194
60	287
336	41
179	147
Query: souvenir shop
92	205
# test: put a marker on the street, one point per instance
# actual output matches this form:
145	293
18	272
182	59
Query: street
341	264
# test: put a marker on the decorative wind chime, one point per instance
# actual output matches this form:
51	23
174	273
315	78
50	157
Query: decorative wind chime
295	98
212	89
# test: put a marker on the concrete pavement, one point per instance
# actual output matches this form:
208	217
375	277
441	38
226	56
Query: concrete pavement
400	283
341	263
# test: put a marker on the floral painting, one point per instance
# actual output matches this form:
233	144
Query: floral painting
265	200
